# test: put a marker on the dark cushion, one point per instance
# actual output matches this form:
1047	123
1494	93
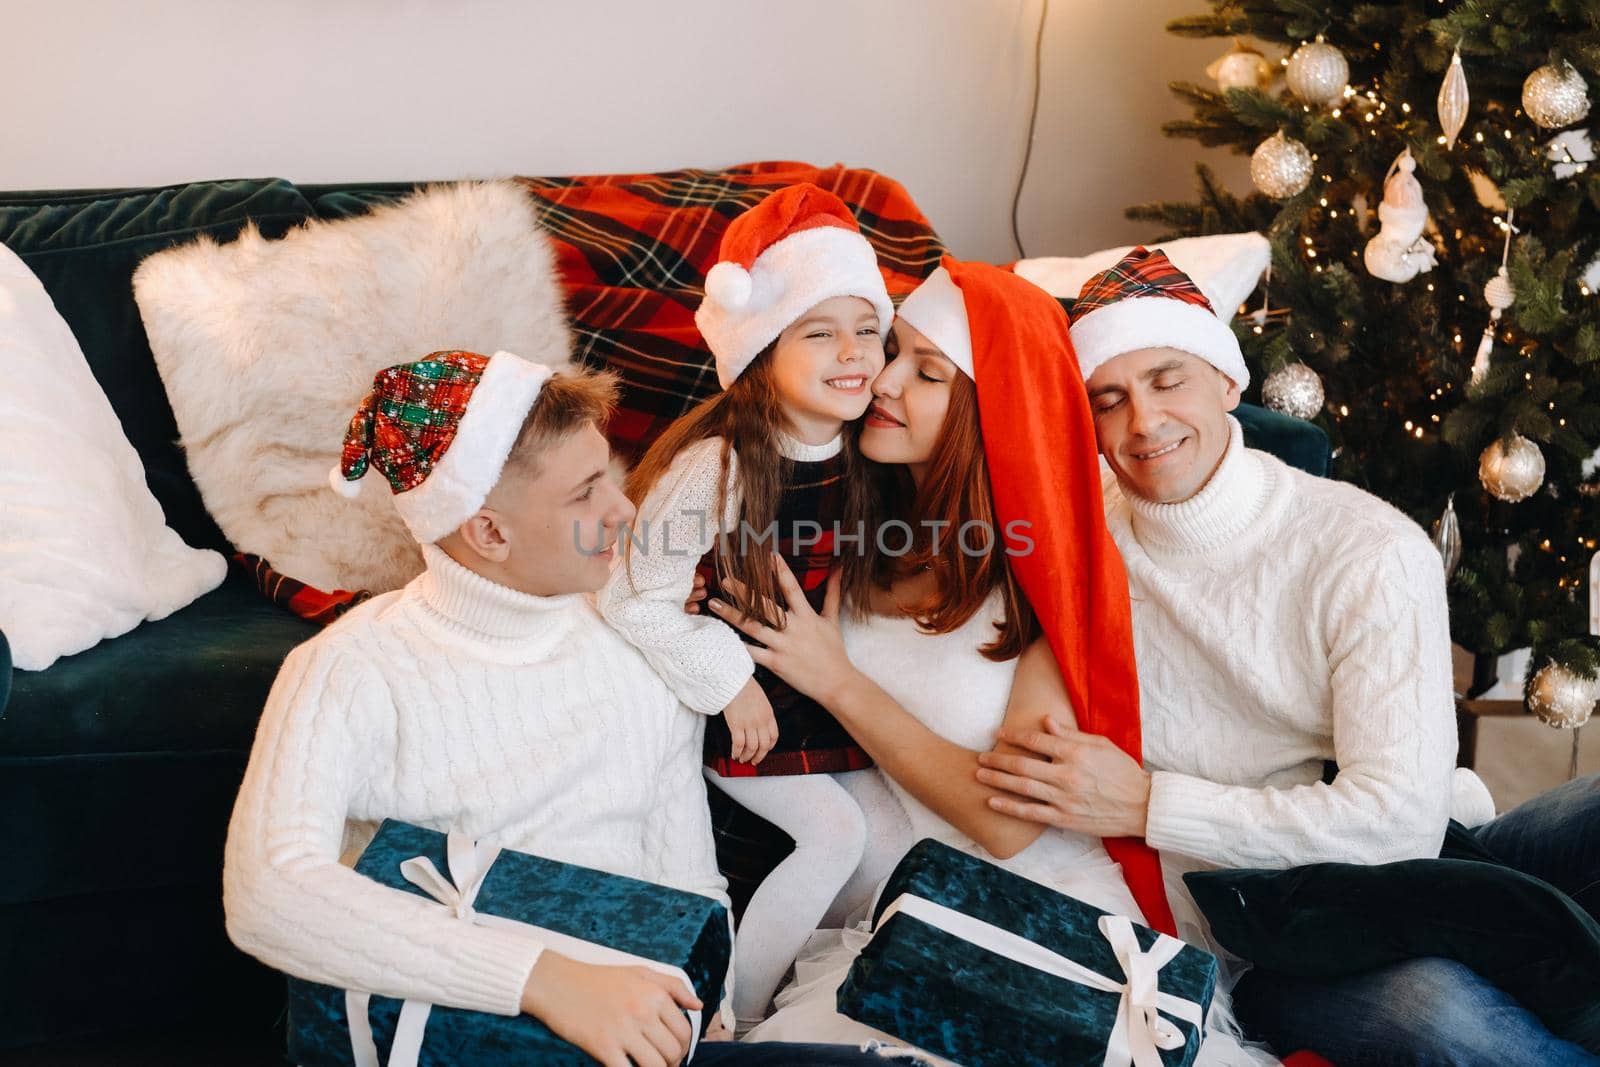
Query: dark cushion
1295	441
118	766
84	246
5	672
1328	920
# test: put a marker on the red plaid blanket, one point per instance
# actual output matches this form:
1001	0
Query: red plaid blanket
633	250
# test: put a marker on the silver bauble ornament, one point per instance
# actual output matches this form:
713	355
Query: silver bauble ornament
1294	390
1512	474
1281	167
1453	100
1561	698
1447	537
1555	97
1317	73
1242	68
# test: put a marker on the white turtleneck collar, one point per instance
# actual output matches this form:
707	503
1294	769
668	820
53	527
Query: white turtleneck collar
794	448
474	608
1218	514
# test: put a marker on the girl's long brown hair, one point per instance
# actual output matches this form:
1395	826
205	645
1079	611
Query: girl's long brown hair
748	417
955	490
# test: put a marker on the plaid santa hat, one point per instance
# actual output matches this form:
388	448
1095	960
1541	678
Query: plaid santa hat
1012	339
439	430
783	257
1143	301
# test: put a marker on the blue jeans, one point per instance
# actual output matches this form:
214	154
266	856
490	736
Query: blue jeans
1437	1011
782	1054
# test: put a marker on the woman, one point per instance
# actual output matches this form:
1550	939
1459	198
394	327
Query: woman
979	358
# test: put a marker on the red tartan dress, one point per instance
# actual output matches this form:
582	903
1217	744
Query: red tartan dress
810	739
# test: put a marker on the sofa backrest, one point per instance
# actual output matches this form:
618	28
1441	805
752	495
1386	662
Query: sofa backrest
84	246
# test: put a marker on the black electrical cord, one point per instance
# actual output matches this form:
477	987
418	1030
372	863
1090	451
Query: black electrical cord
1033	121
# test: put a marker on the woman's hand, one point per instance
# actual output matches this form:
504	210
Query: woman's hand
808	652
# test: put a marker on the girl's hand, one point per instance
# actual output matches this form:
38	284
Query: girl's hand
696	595
752	724
808	652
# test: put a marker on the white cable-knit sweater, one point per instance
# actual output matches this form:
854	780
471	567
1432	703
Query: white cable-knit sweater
455	703
1281	620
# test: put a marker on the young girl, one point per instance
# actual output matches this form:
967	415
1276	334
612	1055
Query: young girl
795	314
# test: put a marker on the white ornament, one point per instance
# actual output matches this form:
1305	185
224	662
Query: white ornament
1281	167
1453	100
1499	294
1560	698
1571	152
1294	390
1555	97
1512	474
1318	73
1590	278
1242	68
1399	252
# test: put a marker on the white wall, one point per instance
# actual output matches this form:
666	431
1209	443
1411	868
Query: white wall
931	92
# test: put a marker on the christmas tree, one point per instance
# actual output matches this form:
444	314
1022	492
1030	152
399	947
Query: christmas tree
1396	148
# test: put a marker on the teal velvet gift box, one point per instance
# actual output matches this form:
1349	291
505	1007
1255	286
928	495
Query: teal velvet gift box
987	968
673	927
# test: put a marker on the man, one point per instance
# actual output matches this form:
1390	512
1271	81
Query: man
1280	621
488	697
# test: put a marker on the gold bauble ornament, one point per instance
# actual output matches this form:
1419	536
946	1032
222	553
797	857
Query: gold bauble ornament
1281	167
1555	96
1317	73
1512	473
1242	68
1561	698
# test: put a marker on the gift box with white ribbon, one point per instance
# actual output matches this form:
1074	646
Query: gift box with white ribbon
989	969
586	914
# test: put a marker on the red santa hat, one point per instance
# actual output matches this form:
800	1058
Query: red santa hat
1143	301
789	253
1013	339
439	430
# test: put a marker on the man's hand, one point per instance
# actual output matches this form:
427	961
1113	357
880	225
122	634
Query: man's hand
1073	780
752	724
621	1016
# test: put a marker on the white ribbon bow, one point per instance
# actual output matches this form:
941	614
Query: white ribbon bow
469	863
1140	1031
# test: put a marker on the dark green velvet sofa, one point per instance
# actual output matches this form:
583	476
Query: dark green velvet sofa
118	766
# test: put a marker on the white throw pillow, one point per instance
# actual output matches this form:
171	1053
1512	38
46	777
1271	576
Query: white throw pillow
266	347
1225	267
85	551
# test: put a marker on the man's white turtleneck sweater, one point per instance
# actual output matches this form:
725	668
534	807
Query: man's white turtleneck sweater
1281	620
455	703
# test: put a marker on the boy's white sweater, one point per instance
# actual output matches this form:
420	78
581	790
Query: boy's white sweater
455	703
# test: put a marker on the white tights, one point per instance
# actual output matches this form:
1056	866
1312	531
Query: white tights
849	831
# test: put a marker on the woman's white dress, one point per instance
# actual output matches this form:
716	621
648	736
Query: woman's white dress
946	683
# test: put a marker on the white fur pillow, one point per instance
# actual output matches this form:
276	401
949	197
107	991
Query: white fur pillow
266	348
85	552
1225	267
